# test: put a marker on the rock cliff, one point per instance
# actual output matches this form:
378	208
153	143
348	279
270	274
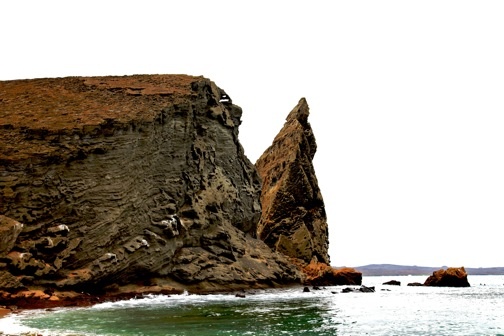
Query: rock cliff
116	180
293	219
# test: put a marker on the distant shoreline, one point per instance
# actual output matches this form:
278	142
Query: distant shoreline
391	270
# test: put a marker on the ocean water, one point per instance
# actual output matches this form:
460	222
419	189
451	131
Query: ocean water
391	310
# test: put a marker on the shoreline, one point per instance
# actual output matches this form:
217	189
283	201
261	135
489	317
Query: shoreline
36	298
81	300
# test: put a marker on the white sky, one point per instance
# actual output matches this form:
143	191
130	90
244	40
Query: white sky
406	100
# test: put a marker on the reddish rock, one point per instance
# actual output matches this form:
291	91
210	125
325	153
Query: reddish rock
321	274
4	312
451	277
293	219
36	298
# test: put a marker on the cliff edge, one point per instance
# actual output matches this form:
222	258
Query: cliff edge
110	181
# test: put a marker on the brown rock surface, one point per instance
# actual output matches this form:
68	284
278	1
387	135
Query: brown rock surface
320	274
293	219
124	179
450	277
9	231
37	298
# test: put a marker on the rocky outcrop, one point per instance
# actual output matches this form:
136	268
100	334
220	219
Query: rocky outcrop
107	181
293	219
362	289
320	274
450	277
415	284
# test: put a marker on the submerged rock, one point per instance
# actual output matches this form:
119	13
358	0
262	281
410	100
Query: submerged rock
119	180
415	284
450	277
362	289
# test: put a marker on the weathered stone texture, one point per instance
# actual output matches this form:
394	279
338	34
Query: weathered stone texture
293	219
118	179
450	277
9	231
320	274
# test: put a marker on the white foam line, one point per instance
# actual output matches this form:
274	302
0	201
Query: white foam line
10	324
170	300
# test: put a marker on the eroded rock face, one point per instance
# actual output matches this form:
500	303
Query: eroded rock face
121	179
9	231
293	219
450	277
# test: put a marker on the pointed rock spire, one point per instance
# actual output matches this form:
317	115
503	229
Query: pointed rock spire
293	219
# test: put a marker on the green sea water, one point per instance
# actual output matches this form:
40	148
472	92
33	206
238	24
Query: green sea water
224	316
391	310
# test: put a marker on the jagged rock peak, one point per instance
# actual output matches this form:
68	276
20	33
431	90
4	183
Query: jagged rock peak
293	219
300	112
297	122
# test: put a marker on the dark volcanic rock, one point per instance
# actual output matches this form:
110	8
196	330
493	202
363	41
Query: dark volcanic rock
121	179
393	283
362	289
293	217
415	284
450	277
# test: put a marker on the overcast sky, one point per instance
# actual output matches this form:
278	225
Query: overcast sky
406	101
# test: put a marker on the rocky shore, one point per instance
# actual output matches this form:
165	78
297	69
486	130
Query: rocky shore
113	187
444	277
